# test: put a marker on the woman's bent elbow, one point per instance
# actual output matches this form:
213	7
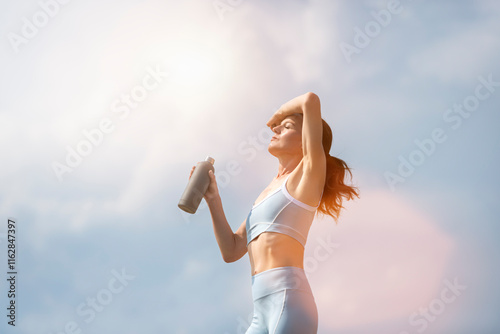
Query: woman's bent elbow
228	259
233	257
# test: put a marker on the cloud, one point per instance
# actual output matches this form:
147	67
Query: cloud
119	206
389	262
461	55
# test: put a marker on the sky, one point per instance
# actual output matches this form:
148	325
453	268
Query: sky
106	106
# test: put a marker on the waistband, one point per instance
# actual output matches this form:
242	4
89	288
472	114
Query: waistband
277	279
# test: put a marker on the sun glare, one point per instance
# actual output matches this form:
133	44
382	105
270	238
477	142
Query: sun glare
196	70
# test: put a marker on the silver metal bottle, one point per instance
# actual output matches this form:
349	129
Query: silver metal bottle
197	186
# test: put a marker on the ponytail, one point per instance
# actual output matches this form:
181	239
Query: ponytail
335	189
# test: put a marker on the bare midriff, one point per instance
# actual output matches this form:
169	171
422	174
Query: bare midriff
271	250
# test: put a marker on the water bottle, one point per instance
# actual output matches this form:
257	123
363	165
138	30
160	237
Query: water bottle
197	186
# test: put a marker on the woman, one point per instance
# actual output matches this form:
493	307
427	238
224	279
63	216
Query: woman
309	181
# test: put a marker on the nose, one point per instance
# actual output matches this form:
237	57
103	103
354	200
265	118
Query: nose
276	128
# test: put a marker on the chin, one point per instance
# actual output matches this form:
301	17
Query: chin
272	150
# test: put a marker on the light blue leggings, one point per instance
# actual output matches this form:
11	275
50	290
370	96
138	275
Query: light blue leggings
283	303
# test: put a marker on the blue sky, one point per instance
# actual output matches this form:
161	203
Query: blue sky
145	89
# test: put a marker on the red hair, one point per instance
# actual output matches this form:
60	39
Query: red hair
335	190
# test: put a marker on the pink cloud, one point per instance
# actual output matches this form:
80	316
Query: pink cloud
388	261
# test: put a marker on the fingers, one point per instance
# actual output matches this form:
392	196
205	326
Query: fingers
274	120
213	180
191	173
210	173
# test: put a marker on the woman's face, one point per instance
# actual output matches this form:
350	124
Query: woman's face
287	138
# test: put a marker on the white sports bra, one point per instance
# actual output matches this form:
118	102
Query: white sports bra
279	212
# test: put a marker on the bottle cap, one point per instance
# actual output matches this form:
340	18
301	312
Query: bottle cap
210	159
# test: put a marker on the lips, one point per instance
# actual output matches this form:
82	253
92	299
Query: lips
274	138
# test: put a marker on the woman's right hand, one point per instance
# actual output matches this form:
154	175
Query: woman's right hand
212	190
